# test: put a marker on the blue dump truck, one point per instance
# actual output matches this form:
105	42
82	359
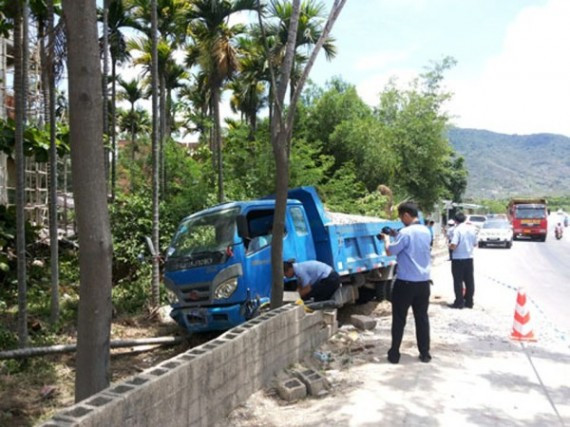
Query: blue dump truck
219	262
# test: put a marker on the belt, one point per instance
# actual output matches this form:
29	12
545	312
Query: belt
409	282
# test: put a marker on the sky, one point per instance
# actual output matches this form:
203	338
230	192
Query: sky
513	57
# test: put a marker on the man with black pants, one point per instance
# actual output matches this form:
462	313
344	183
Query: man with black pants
462	244
412	287
315	279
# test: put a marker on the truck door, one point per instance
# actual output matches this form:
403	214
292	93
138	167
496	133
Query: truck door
300	235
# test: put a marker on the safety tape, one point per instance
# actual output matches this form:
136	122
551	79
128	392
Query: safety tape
561	334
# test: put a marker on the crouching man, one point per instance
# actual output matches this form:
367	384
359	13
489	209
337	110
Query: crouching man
315	279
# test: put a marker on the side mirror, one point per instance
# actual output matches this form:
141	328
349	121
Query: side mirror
242	227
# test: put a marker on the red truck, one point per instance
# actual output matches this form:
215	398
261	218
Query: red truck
528	218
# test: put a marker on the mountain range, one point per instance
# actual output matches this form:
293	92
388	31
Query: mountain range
504	166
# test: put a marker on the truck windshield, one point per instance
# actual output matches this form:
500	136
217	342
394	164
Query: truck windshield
527	212
205	234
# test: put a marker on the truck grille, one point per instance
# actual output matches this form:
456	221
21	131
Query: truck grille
195	293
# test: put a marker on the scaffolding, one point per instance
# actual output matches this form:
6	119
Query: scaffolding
36	174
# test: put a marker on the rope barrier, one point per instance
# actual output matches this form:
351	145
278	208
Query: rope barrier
560	334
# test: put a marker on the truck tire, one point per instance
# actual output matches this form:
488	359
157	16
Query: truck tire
542	238
384	290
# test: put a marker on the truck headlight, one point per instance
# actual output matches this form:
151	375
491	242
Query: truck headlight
226	289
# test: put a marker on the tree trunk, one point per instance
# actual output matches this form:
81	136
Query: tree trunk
53	224
279	138
65	210
162	138
155	289
113	128
218	141
90	194
20	94
105	82
133	147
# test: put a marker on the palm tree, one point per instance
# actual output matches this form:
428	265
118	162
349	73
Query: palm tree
119	17
249	85
20	14
53	225
309	30
155	285
89	185
215	53
131	93
165	61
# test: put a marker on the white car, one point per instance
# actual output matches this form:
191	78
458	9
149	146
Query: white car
476	220
496	232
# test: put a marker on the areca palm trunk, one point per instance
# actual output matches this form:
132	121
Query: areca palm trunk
162	136
20	90
105	73
53	223
132	147
90	194
218	141
113	127
155	290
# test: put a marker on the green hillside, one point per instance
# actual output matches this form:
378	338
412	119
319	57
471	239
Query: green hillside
502	166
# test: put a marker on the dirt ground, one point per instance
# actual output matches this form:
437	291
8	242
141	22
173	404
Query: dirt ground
46	385
337	358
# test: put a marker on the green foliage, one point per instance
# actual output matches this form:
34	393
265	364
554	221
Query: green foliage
131	296
415	128
36	140
325	110
455	178
363	142
8	260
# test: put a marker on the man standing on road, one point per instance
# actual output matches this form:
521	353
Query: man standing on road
412	287
462	244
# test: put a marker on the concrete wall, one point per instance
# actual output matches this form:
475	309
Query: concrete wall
203	385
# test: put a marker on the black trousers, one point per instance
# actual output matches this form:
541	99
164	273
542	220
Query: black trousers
324	288
462	271
416	295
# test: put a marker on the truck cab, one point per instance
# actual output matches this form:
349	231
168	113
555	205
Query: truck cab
221	277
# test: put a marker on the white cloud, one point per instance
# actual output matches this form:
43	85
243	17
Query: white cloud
526	88
370	88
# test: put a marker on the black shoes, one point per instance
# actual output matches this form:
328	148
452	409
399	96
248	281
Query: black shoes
455	306
393	357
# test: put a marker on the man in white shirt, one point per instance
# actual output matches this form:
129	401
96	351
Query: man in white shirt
462	244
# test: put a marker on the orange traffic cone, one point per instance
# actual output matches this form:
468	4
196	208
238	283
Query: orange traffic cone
522	328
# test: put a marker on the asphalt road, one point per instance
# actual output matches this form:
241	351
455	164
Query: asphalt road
543	269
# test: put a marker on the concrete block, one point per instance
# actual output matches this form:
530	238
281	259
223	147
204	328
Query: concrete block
291	389
363	322
314	381
330	318
78	414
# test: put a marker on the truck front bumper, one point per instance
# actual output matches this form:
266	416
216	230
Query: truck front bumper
203	319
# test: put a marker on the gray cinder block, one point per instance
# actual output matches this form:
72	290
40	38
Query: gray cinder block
291	389
363	322
314	381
